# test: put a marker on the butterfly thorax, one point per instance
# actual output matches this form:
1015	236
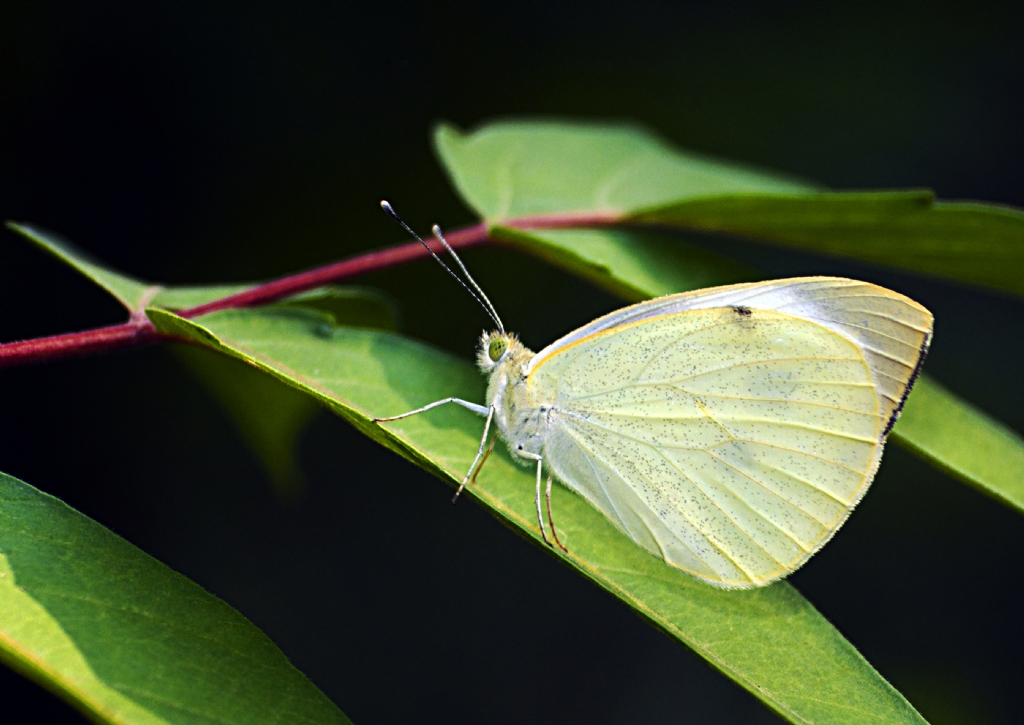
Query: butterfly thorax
523	423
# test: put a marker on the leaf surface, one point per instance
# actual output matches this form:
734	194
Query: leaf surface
976	243
514	169
771	641
125	639
506	170
631	263
954	435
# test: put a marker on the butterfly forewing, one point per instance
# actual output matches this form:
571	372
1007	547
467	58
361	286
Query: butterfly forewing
731	441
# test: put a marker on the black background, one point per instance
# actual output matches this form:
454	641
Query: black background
214	142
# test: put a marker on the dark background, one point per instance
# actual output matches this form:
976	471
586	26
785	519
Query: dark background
214	142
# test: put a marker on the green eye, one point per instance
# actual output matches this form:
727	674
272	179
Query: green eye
497	348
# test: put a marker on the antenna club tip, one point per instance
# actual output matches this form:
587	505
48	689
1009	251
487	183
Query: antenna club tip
386	206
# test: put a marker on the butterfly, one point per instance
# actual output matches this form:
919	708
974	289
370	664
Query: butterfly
729	431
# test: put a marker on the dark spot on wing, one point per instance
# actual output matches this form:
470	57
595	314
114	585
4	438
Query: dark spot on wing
742	311
910	384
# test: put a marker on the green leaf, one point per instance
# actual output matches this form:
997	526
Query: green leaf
976	243
959	438
771	641
506	170
125	639
941	428
514	169
350	305
633	264
182	298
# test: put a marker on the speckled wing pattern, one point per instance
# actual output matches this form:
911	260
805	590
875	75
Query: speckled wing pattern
731	431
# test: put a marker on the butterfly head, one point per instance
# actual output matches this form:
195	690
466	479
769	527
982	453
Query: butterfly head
496	348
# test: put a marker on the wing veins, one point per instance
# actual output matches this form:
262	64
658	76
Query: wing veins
753	400
656	355
868	329
589	422
655	539
785	424
718	545
714	503
717	506
782	400
776	494
688	333
758	362
874	313
781	448
808	484
738	397
891	377
611	500
593	456
718	370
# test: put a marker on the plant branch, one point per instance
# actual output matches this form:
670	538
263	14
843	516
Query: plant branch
279	289
73	344
140	331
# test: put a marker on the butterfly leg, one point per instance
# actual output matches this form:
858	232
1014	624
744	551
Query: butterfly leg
478	409
540	511
551	520
490	450
479	455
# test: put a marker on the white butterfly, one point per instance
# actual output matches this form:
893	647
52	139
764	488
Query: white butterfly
729	431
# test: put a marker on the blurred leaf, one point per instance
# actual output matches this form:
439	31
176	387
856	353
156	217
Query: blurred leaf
771	641
513	169
125	639
643	265
959	438
269	415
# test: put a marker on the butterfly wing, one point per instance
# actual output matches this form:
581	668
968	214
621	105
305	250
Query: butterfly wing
731	431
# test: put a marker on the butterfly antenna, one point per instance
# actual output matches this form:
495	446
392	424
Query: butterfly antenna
493	312
488	308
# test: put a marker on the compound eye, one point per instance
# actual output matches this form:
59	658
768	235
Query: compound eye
497	348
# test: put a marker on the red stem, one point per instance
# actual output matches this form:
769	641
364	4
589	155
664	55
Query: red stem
87	342
140	331
293	284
